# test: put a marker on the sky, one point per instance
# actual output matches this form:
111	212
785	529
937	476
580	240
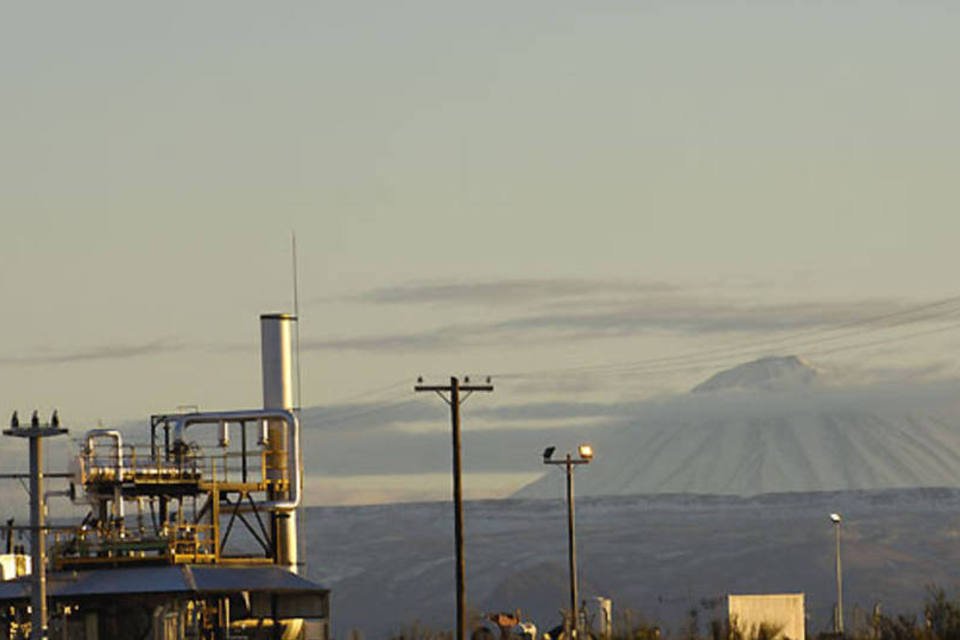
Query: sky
595	202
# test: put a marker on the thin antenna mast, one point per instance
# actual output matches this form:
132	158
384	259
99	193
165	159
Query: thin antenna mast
301	537
296	313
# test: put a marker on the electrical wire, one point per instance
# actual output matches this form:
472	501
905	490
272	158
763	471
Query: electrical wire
944	309
812	341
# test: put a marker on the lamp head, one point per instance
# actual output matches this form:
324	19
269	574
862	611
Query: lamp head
835	518
548	453
585	451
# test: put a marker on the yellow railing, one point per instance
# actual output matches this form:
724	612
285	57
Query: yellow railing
187	542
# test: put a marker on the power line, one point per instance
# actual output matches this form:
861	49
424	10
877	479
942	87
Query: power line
811	340
368	410
709	357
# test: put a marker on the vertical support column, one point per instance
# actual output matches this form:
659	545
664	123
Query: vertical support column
38	548
277	366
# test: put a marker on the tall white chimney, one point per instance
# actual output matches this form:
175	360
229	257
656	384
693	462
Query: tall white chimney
277	364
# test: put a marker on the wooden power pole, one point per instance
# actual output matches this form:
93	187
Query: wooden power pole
454	389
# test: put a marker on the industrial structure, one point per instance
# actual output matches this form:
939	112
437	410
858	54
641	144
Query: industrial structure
190	534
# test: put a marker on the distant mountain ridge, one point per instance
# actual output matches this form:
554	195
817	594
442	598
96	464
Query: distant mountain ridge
659	556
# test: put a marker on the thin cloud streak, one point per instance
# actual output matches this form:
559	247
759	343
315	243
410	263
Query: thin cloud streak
159	346
364	417
501	292
617	319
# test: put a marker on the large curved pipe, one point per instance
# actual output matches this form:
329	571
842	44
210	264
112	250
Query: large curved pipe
184	421
118	441
117	437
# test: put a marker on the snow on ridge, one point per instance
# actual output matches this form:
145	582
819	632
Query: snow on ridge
771	373
806	437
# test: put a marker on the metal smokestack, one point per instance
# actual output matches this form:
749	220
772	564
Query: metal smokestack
277	365
277	360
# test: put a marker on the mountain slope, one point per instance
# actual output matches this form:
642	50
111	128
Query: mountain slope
767	429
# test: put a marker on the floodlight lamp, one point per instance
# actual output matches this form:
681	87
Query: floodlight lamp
548	453
585	451
835	517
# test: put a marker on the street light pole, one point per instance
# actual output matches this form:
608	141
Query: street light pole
572	547
585	453
838	614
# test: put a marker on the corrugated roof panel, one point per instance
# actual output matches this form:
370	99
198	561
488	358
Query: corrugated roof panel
119	581
226	579
14	589
164	580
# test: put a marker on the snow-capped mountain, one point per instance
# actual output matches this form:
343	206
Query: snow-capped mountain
772	373
765	427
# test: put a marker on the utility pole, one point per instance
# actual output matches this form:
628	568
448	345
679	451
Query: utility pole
585	455
38	550
455	400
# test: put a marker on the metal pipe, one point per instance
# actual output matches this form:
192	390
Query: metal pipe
183	422
118	441
224	434
264	438
276	359
117	437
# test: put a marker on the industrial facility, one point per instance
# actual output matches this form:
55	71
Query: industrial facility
191	533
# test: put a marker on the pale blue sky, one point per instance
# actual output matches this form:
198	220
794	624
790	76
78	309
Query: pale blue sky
697	161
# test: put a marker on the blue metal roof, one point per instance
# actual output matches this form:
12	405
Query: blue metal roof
228	579
164	580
